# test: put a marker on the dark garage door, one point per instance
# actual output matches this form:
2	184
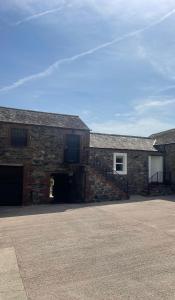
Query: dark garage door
11	183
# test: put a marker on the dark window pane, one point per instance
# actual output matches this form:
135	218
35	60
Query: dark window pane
119	160
19	137
72	148
119	167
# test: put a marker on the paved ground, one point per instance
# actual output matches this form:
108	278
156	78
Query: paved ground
104	251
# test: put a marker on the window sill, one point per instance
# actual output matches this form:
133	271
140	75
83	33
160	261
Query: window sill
119	173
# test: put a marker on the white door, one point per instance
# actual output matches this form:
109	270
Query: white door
155	168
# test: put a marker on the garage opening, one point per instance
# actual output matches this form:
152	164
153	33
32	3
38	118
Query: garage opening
65	188
11	185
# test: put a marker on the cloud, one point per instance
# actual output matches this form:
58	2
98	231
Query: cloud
145	118
141	126
158	56
123	115
86	113
147	108
30	6
165	89
48	71
166	16
145	10
38	15
153	104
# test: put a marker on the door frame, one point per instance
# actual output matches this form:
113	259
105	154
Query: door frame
149	165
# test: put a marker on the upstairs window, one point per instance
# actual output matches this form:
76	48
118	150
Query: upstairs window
72	148
19	137
120	163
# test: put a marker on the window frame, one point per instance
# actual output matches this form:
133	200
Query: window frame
11	137
124	156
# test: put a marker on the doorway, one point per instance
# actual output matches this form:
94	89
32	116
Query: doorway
156	169
61	188
11	185
66	187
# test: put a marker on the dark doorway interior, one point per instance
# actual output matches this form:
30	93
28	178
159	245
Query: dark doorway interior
11	185
65	188
61	188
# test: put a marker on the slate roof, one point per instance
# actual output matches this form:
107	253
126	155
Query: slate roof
29	117
121	142
164	137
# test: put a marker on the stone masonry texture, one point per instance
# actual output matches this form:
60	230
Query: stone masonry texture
137	166
43	156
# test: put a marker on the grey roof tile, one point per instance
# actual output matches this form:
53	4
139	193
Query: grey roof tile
164	137
111	141
29	117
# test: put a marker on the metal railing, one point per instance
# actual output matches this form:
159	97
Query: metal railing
160	177
120	180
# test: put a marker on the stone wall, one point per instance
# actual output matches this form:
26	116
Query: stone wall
101	189
137	166
43	156
170	161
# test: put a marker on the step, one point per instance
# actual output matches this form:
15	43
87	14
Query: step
160	189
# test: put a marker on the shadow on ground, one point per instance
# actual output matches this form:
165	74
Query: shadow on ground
13	211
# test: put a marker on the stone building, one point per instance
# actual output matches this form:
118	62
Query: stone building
127	157
165	142
124	165
37	149
53	158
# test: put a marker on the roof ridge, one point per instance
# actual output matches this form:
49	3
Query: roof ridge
120	135
38	111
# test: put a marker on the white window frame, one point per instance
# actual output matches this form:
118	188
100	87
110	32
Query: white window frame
124	156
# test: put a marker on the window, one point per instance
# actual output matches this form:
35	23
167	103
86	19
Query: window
72	148
120	163
19	137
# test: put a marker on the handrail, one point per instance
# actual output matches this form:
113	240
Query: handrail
161	177
111	174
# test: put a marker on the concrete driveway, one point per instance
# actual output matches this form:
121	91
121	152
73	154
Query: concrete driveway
77	252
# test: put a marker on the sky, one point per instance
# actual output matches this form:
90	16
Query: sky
111	62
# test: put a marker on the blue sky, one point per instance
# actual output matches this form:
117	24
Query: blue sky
110	61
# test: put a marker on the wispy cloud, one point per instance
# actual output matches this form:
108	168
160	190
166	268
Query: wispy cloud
148	107
48	71
39	15
150	104
30	6
162	61
123	115
149	116
166	16
165	89
140	126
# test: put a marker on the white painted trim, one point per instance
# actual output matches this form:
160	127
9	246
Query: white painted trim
124	155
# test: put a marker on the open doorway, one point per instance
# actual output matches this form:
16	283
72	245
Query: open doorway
66	187
60	188
11	185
